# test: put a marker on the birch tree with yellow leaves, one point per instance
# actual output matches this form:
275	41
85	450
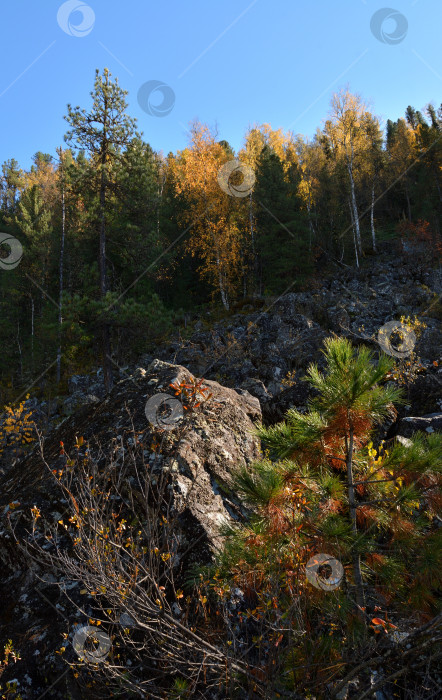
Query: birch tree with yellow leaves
215	234
311	159
345	132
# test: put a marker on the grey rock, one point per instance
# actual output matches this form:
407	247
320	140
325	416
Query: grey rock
411	424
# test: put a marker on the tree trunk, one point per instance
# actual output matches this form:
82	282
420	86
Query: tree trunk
255	270
352	507
32	332
161	181
19	350
373	233
105	332
343	251
355	208
354	234
438	189
311	227
252	232
408	203
224	297
63	226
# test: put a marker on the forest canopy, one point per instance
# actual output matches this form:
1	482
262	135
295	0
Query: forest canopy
119	241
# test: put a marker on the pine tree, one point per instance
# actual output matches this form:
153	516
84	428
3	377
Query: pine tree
103	133
336	431
323	480
281	225
323	489
11	183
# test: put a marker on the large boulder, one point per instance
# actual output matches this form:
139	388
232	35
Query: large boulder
197	464
425	392
429	344
412	424
218	439
295	396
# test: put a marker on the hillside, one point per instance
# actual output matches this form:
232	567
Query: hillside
221	351
253	363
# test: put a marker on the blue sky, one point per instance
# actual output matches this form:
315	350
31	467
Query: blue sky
231	63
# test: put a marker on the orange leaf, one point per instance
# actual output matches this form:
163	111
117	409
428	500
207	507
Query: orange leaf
378	621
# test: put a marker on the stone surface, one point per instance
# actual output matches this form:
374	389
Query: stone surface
244	359
256	350
218	438
411	424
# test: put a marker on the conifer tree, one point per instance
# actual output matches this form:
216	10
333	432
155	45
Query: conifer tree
103	133
324	485
281	225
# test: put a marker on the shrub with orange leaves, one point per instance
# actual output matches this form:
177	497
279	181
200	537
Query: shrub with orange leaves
192	393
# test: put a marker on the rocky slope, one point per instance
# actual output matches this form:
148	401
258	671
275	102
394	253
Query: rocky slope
219	437
244	359
256	349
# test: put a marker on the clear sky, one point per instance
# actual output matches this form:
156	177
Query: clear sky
229	62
